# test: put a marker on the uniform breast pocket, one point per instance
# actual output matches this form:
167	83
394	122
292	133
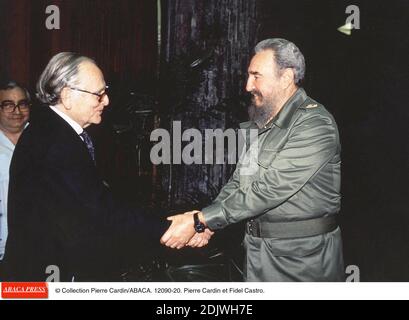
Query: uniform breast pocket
266	157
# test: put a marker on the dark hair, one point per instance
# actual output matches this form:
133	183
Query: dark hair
287	55
11	84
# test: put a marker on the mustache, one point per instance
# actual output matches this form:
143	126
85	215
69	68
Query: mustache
256	93
16	117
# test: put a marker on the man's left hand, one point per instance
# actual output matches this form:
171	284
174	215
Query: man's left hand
200	239
180	231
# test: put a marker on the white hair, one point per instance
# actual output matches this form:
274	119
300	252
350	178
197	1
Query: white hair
61	71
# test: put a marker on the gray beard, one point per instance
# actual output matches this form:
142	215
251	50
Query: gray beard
261	115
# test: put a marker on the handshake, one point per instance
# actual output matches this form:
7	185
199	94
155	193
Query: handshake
183	232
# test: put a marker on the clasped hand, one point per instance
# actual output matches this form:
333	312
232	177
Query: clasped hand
181	232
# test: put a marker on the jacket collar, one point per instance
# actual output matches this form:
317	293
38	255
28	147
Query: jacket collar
283	118
77	128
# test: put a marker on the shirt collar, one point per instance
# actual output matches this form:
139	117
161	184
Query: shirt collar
6	141
78	129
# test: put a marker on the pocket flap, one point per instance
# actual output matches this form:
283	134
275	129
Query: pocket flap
266	157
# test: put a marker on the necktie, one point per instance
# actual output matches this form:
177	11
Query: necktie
88	143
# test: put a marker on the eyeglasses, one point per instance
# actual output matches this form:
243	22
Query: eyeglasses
10	106
101	96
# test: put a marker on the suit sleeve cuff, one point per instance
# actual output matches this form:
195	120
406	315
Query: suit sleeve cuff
214	216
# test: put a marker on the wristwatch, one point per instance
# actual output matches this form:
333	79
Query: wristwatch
199	226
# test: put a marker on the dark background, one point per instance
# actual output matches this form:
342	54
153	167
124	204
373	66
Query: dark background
360	78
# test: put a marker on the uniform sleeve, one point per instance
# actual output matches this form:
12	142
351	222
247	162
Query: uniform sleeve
229	187
312	143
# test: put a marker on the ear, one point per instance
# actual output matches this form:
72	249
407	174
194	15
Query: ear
287	78
66	98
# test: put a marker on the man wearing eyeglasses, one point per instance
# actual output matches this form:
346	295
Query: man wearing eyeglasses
14	114
68	218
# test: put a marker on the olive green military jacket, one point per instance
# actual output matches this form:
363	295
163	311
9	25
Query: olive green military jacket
298	177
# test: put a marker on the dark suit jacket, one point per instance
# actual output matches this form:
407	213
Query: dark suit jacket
60	212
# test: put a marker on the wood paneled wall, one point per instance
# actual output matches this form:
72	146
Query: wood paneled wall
121	35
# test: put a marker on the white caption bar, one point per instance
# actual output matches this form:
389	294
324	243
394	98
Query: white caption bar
228	291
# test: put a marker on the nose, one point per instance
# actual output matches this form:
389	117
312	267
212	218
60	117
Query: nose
250	84
17	110
105	101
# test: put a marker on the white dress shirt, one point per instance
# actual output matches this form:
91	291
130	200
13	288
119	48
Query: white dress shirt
6	152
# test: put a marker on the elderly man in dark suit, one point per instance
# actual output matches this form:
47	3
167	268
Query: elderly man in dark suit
60	212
